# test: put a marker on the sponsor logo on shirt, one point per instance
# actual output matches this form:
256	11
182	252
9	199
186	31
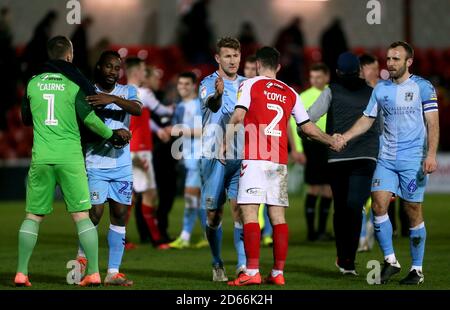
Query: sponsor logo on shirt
409	96
274	84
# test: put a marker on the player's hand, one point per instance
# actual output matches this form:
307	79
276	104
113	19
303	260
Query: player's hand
163	135
299	158
100	99
141	163
120	138
219	86
169	129
429	165
338	142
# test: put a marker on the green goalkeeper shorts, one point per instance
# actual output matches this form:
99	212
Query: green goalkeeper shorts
42	180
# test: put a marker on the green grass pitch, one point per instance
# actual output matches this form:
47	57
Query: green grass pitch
309	265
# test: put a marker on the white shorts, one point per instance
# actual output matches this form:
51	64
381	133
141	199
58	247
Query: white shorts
143	180
263	181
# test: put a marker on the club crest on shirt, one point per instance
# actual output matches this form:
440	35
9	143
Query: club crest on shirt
95	196
203	92
409	96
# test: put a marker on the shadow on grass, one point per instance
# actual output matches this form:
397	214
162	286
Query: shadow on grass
315	272
155	273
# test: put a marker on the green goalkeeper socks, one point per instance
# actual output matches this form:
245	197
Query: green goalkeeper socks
28	235
87	233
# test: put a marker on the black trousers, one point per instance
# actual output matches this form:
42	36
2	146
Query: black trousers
166	180
350	182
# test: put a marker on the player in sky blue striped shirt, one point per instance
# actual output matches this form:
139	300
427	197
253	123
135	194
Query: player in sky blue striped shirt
408	148
218	95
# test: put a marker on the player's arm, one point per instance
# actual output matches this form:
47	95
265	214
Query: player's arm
366	121
134	107
86	113
430	163
131	105
321	106
233	128
310	129
162	110
214	102
27	118
238	115
361	126
431	112
294	141
237	118
149	100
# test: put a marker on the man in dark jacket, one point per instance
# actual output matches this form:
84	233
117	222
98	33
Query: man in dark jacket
350	170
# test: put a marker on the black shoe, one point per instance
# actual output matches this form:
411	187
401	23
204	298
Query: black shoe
388	271
414	277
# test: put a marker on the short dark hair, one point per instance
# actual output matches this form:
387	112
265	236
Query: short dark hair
367	59
189	75
132	62
320	66
251	58
58	46
269	57
107	54
409	50
228	42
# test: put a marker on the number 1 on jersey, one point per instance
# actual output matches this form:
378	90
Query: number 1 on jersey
50	121
269	130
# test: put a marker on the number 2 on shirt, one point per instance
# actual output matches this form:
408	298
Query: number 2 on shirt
269	130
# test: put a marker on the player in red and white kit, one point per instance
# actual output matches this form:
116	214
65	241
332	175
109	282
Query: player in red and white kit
264	106
141	147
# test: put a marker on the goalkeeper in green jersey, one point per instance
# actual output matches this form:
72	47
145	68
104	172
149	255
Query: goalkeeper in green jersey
53	105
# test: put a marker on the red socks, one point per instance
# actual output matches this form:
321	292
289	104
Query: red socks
148	213
252	238
280	245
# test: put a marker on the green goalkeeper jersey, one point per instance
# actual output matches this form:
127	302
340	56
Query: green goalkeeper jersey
56	104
